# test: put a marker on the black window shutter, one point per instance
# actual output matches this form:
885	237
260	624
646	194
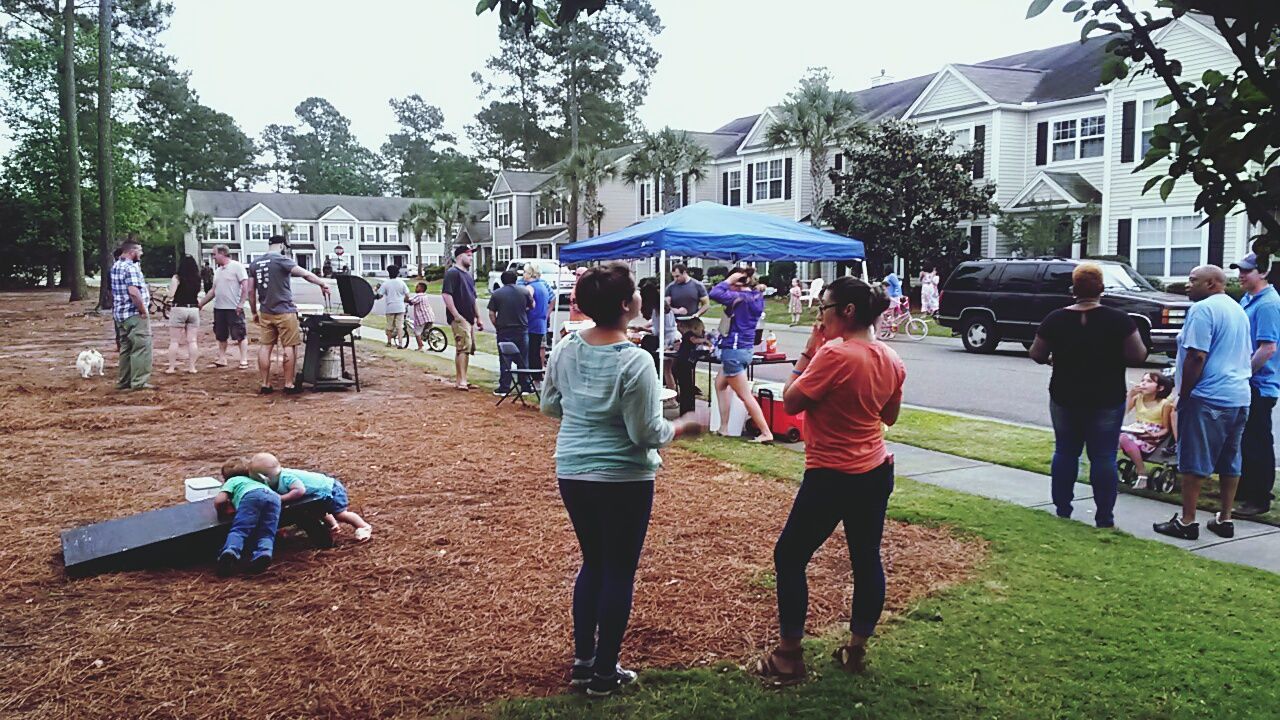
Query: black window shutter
836	186
1217	230
233	232
1124	227
980	145
311	233
1042	143
1084	237
684	189
839	161
1128	116
975	241
640	201
786	183
724	178
749	190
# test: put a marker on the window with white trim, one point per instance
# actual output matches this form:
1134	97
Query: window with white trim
502	214
371	262
504	254
1078	138
369	234
1168	246
220	232
299	234
648	201
393	235
961	141
260	231
1151	117
338	233
550	214
768	180
735	187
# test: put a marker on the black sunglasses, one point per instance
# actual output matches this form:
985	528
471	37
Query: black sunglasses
823	307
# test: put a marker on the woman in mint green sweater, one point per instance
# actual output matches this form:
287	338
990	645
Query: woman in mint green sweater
606	393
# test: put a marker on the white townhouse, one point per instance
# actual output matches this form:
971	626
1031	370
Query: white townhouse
357	233
1050	136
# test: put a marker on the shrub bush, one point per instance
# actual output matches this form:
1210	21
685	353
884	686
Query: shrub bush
781	273
720	270
432	272
713	279
696	273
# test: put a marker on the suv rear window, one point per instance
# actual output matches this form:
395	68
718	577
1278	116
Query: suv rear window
1057	279
1018	277
969	277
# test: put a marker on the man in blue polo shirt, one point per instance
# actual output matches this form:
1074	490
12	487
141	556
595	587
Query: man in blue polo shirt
1257	451
1213	400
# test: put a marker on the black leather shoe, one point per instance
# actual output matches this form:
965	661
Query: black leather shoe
1251	510
1175	528
1221	529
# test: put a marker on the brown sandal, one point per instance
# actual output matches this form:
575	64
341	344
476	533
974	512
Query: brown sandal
851	658
768	671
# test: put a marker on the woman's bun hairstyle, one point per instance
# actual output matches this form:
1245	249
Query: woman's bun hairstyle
869	301
603	291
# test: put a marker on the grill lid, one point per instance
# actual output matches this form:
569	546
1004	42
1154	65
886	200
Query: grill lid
357	295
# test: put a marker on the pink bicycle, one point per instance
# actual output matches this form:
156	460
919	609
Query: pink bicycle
899	317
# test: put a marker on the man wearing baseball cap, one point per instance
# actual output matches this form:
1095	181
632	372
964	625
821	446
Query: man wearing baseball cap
278	323
459	294
1257	450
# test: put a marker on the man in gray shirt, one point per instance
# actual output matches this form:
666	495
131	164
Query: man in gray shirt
688	296
270	275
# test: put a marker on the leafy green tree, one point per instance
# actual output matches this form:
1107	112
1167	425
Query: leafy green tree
816	119
409	152
524	14
1043	229
187	145
451	209
666	156
903	191
324	155
587	169
1223	131
276	168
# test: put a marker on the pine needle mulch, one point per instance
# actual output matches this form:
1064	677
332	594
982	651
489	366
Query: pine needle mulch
461	597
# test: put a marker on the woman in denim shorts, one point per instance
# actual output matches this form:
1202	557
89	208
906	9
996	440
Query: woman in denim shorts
743	300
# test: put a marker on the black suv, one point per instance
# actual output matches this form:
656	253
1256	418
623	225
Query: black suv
987	301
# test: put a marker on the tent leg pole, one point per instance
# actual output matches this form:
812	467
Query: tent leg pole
660	317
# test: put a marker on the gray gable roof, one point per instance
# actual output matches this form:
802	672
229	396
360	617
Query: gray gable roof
890	99
523	181
294	206
1006	85
740	126
1076	186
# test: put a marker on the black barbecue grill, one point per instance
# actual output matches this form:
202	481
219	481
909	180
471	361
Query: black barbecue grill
325	333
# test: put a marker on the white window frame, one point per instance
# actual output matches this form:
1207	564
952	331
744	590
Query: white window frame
219	232
393	235
649	204
766	181
338	233
369	234
503	254
735	186
1145	129
549	215
957	147
1076	137
1168	246
255	233
502	214
371	262
300	234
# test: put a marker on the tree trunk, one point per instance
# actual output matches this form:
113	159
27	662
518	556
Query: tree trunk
670	200
573	129
106	178
71	146
817	175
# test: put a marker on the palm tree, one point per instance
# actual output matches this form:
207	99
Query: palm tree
666	156
419	218
587	170
197	222
451	209
816	119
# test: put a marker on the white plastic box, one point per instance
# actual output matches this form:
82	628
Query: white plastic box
200	488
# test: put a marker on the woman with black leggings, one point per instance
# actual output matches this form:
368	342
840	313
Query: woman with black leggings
847	383
606	394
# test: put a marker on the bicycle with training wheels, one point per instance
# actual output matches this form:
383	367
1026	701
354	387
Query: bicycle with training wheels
899	318
434	337
160	302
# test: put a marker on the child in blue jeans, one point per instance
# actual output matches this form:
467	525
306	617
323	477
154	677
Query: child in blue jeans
257	516
298	484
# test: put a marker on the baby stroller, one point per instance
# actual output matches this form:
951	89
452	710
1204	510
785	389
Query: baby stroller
1162	467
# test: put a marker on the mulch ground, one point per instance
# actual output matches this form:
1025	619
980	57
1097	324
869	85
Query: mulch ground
462	596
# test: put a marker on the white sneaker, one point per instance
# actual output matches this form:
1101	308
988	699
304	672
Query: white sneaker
364	533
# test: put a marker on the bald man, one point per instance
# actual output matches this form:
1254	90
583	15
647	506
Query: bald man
1214	355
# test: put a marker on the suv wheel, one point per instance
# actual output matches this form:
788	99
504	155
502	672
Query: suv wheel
979	334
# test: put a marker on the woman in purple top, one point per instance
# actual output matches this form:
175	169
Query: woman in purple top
743	300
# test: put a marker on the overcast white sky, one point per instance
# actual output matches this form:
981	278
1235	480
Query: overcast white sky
721	59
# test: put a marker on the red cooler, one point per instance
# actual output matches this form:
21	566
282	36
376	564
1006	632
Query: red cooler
782	424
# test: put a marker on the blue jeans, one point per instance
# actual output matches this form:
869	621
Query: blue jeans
827	498
1098	430
611	520
255	524
520	338
1209	438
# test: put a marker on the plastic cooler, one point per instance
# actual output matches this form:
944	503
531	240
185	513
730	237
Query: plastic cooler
782	424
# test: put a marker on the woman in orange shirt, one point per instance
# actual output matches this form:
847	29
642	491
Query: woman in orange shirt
847	383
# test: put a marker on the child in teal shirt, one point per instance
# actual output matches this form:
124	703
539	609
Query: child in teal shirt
297	484
257	516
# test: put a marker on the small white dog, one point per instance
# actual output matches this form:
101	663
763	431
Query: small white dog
89	361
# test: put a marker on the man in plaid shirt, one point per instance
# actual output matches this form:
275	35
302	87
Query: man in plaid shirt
130	297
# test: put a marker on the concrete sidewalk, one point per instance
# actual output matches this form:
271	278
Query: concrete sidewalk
479	361
1255	544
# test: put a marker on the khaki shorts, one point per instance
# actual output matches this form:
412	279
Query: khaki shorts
395	324
279	329
184	316
463	336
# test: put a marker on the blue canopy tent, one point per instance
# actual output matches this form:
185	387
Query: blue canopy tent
719	232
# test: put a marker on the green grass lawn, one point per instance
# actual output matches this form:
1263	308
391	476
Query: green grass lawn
1062	621
999	443
775	311
486	342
